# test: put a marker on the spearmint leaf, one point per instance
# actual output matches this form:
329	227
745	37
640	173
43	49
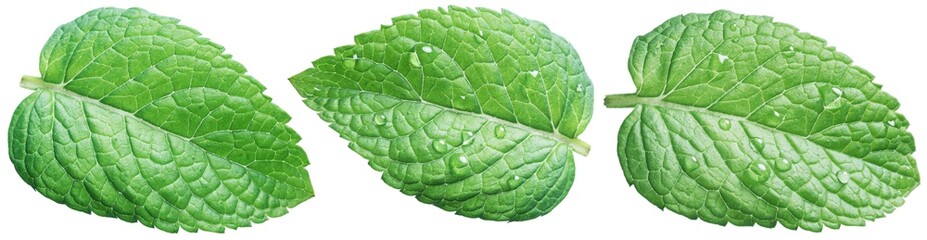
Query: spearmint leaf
473	111
138	118
738	119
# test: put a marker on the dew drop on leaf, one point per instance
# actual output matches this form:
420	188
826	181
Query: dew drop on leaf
427	49
843	177
579	88
534	73
513	182
782	165
724	124
467	138
413	60
891	123
349	63
757	173
734	26
458	165
837	91
440	146
499	131
722	58
690	164
789	53
757	144
379	119
835	104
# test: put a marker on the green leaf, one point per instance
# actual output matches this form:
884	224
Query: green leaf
738	119
138	118
473	111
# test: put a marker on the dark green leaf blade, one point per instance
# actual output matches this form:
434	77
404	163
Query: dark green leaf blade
473	111
739	119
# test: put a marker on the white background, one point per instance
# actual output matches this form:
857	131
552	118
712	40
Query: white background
276	40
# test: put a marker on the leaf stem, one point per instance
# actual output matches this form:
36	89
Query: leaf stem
32	82
626	100
579	146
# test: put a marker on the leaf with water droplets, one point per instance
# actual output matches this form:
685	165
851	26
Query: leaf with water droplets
139	118
440	146
791	134
483	108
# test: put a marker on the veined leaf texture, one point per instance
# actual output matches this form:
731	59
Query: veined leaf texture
740	119
139	118
471	110
737	119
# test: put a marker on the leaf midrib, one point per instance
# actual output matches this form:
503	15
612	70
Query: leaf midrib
633	99
575	144
35	83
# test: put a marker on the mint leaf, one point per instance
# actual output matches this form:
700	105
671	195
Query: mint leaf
138	118
473	111
738	119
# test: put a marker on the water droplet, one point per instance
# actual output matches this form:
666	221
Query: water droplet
499	131
757	144
513	182
724	124
837	91
413	59
467	138
427	49
579	88
690	164
481	32
782	165
843	177
534	73
722	57
835	104
458	165
354	57
734	26
379	119
891	123
776	113
790	52
349	63
757	173
440	146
